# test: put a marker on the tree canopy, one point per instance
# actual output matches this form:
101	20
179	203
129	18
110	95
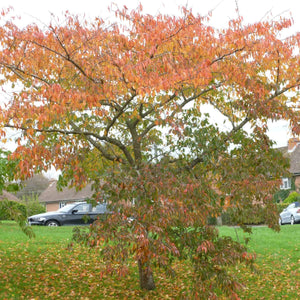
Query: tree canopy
124	106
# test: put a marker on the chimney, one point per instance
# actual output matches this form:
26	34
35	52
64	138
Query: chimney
292	144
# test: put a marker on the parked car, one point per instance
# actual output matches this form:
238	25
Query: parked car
79	213
291	214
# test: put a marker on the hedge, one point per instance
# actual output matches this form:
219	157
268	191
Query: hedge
254	216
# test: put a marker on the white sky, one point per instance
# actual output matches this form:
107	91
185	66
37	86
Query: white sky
223	11
251	10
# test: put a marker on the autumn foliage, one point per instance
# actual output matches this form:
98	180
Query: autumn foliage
132	107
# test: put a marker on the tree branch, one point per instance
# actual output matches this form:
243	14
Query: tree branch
226	138
17	71
120	112
67	57
184	103
88	136
227	54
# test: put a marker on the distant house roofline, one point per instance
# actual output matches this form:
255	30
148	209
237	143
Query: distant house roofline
51	194
292	151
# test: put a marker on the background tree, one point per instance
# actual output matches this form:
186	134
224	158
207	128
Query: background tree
7	168
33	187
29	192
11	209
127	107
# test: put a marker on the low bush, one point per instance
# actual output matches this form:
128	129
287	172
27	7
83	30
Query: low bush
293	197
33	205
253	216
281	206
281	195
8	206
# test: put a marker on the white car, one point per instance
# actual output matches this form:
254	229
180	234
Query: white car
291	214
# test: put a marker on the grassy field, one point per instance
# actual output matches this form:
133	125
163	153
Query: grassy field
45	268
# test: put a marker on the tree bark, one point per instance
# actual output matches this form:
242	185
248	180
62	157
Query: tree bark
219	221
146	276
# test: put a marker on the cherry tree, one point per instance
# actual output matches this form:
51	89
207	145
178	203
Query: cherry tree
131	108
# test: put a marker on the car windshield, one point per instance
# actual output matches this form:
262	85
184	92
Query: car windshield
67	208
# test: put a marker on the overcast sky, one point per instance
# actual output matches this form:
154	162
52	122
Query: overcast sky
222	12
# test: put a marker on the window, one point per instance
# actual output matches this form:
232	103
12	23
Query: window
100	208
286	184
82	208
62	204
291	206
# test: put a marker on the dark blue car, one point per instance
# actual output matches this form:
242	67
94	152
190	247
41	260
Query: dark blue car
79	213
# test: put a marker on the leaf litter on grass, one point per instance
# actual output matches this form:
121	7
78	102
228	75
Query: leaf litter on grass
31	270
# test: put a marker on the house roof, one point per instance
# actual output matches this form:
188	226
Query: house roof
51	194
295	160
9	196
294	157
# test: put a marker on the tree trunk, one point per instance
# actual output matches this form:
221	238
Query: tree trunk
146	276
219	221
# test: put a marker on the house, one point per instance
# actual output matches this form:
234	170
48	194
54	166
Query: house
54	199
292	151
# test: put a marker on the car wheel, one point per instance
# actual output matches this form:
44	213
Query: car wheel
52	223
292	220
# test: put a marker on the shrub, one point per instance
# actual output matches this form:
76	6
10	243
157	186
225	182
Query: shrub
8	206
293	197
281	206
231	217
281	195
33	205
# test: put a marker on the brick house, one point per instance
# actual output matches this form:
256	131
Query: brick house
292	151
54	199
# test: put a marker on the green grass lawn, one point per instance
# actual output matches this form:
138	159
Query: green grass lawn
45	268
